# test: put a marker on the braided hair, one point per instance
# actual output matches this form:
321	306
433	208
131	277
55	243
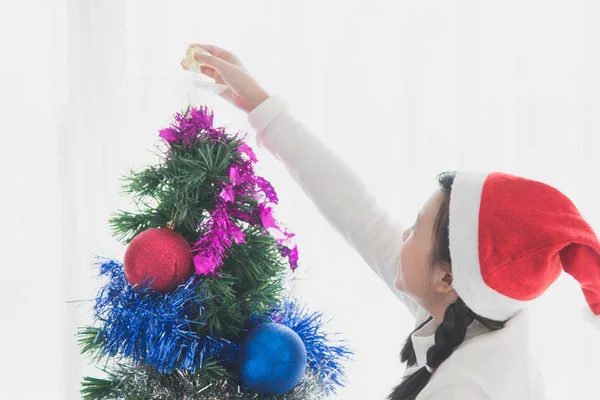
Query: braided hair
457	317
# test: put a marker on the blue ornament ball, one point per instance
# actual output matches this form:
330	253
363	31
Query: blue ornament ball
272	359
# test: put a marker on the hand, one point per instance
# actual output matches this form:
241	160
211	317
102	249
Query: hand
225	68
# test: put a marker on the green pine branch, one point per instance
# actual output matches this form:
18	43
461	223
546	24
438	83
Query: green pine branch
90	340
179	189
251	283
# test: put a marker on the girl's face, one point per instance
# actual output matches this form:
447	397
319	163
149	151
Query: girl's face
414	275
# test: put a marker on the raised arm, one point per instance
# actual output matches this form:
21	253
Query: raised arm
334	188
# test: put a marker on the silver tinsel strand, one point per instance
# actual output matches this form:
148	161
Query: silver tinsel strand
184	386
308	388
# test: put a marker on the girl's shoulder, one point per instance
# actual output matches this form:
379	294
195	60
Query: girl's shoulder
498	361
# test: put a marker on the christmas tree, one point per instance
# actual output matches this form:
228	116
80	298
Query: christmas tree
197	309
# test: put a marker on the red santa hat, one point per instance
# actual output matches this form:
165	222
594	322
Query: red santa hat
510	238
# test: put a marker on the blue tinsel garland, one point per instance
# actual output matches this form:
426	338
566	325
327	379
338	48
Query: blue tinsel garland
154	328
324	357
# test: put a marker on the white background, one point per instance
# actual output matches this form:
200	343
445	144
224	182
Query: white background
403	90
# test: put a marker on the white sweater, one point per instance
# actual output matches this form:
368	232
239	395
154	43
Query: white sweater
494	365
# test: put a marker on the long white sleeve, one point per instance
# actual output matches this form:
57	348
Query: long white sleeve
334	188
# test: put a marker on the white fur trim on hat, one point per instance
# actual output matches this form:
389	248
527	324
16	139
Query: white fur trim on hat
465	200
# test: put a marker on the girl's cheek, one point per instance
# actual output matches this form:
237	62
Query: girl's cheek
404	268
402	264
398	280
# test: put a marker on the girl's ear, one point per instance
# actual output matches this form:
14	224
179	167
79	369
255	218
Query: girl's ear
443	281
447	278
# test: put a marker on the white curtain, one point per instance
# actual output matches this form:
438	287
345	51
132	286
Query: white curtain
402	90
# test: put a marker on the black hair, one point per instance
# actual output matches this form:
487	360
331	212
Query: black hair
457	317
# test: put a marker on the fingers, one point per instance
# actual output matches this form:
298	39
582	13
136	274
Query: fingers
217	64
220	53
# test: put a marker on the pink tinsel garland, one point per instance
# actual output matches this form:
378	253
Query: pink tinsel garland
220	232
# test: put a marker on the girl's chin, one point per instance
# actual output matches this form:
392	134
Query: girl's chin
398	283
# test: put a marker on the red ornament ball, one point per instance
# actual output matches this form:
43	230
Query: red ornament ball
159	253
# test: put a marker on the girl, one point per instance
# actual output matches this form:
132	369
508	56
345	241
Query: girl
482	245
